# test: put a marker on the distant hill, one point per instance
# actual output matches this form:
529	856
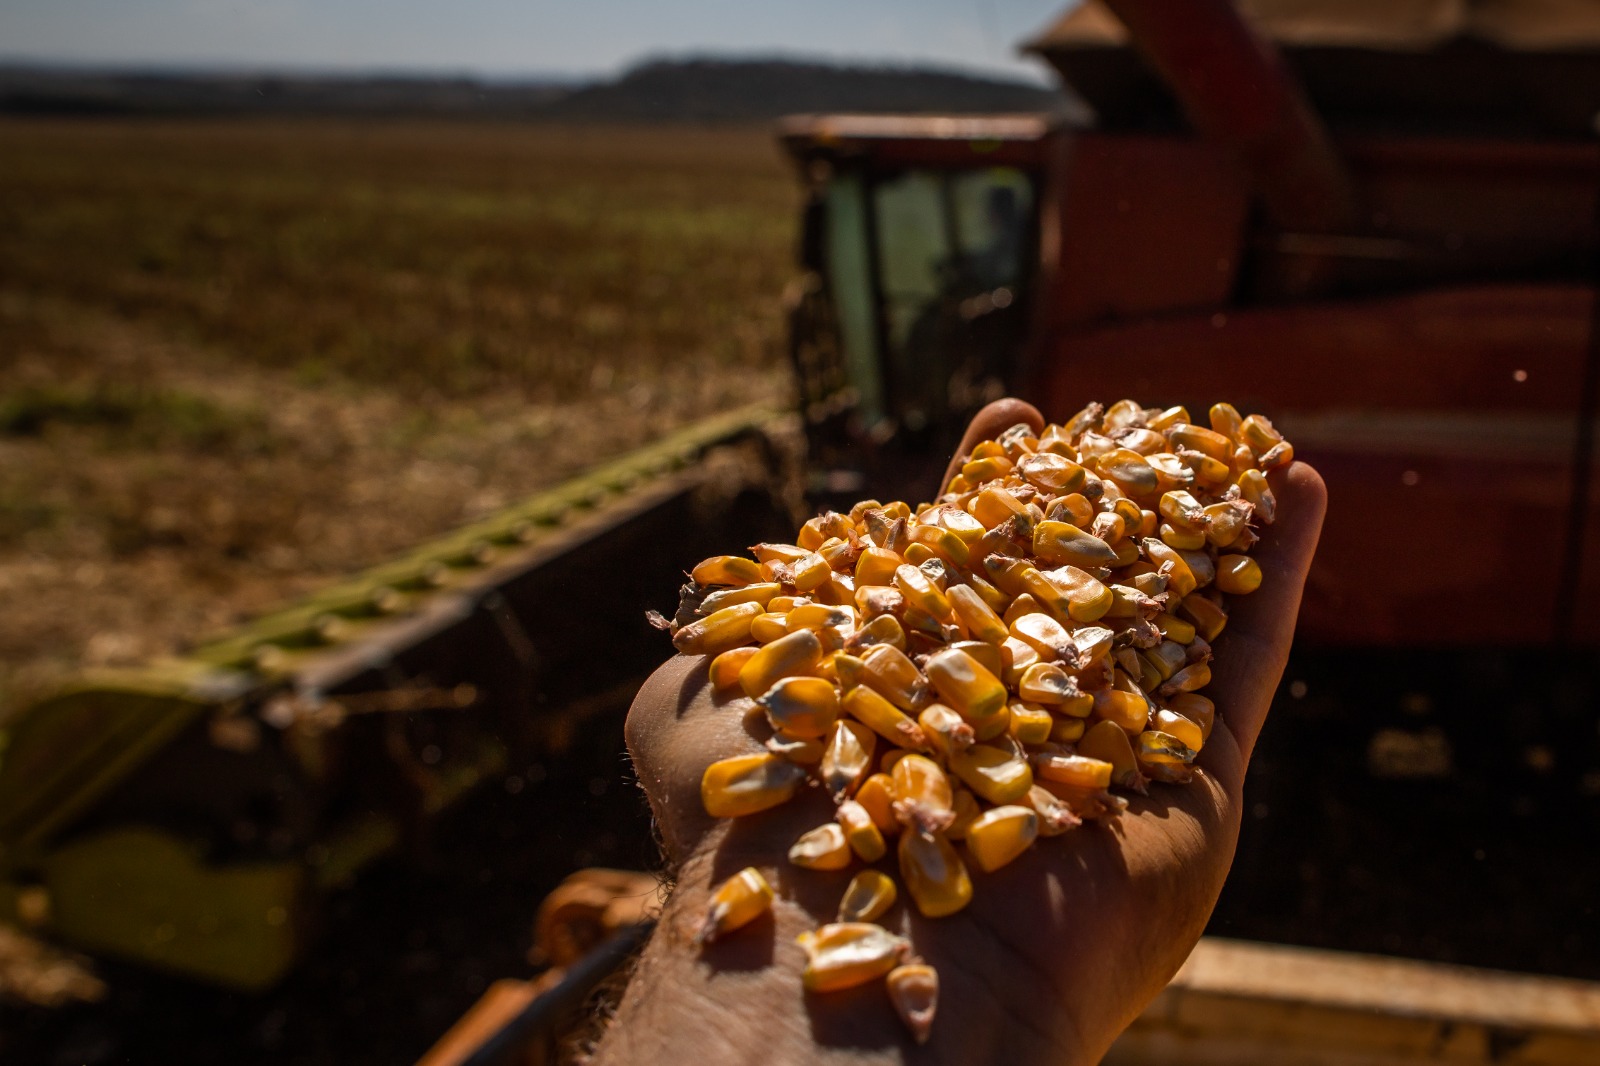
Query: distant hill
698	90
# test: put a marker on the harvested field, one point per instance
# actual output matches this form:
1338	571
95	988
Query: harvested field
238	360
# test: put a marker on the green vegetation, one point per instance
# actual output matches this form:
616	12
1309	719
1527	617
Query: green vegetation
238	359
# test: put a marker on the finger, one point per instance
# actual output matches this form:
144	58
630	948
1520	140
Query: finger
1252	652
993	420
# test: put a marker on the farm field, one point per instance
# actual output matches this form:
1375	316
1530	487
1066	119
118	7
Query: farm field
238	360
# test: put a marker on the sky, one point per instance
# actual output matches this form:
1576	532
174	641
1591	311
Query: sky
517	38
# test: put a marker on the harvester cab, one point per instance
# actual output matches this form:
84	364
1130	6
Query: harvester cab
919	246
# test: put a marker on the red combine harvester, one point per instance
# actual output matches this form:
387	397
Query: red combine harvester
1375	223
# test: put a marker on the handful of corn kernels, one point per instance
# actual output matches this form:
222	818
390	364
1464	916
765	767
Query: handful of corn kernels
983	670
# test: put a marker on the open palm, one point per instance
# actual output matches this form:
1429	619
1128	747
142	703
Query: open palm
1061	948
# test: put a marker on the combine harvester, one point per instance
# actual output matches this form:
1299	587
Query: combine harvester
1378	223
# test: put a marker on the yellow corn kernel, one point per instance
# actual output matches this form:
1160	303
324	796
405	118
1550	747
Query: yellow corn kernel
768	627
1055	816
965	809
874	600
1225	420
1023	655
821	528
786	554
745	784
718	632
1001	834
890	757
819	616
957	521
1181	539
801	706
1168	419
1022	606
997	775
1174	628
1061	542
847	670
848	757
945	545
863	835
727	570
846	954
1108	742
867	897
1047	683
761	593
917	554
1280	454
992	596
1180	579
1130	710
809	572
841	554
1176	725
920	591
1207	616
807	751
1259	434
725	668
1171	471
789	655
1066	730
959	485
738	901
883	718
1051	473
993	506
781	604
1200	565
895	677
1073	508
1085	597
945	729
1005	572
1243	459
1167	658
979	619
858	513
876	566
1132	474
1226	521
969	688
985	449
1155	746
923	797
914	991
1238	574
1190	679
823	848
1109	526
934	874
1049	638
876	796
1256	492
1030	723
1208	442
1208	471
1078	771
1199	710
884	629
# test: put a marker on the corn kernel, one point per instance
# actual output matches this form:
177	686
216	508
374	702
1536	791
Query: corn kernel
802	706
1055	816
882	717
934	874
1130	710
1030	723
1157	747
895	677
1000	835
876	566
1108	742
717	632
1078	771
876	796
769	626
914	991
1238	575
1205	615
867	897
738	901
980	620
848	757
725	668
746	784
761	593
1199	710
973	692
846	954
997	775
863	835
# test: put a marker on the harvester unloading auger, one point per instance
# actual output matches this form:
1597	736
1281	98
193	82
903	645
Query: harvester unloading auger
193	813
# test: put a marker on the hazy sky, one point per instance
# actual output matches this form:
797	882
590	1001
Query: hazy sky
512	37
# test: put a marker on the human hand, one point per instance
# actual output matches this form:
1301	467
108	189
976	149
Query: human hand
1059	950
